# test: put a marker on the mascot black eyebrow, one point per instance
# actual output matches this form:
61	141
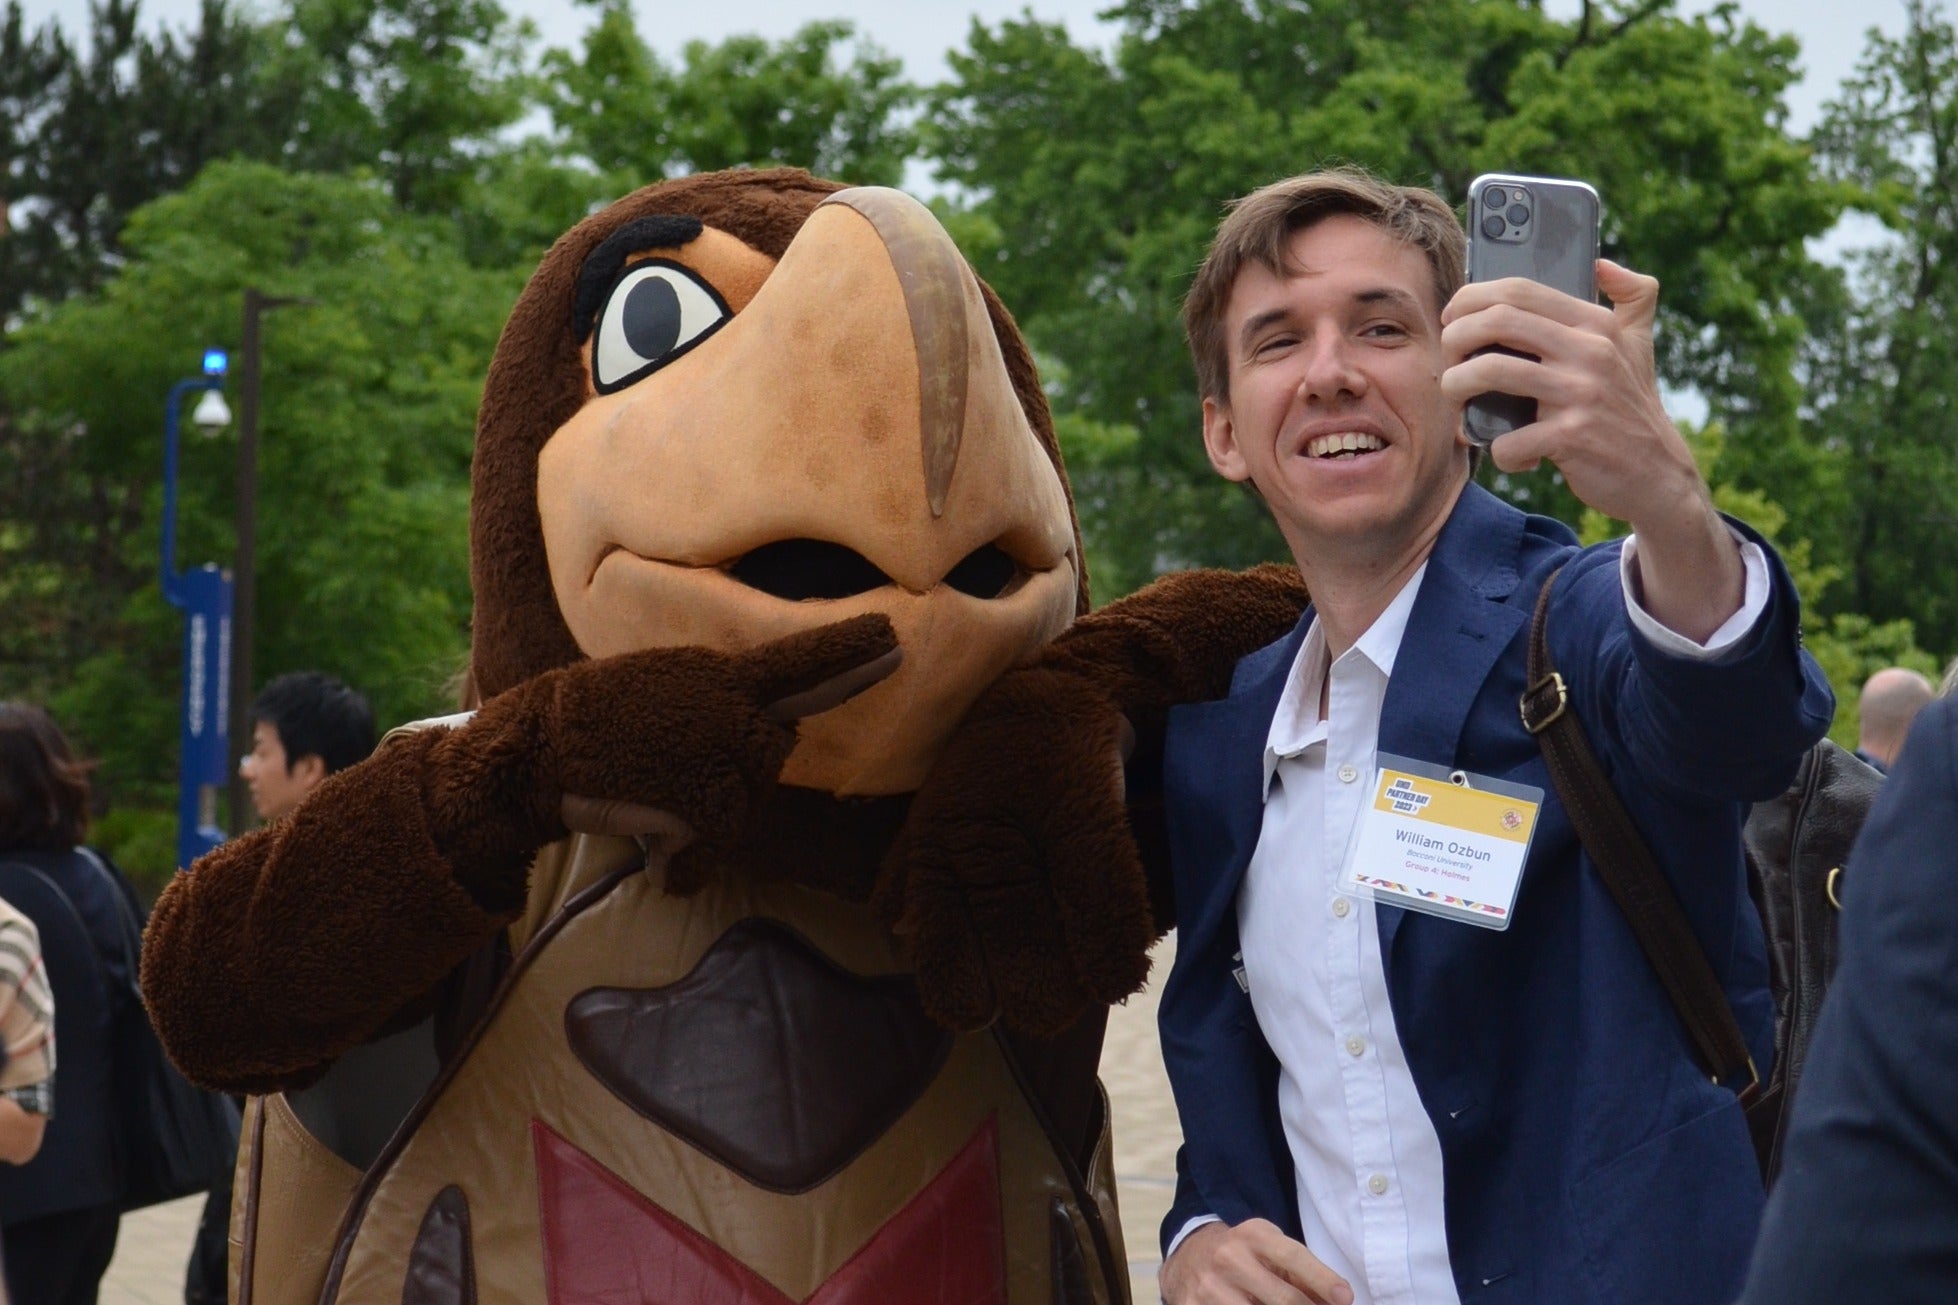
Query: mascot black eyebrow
594	989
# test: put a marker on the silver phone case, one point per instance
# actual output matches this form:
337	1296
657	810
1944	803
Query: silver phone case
1556	244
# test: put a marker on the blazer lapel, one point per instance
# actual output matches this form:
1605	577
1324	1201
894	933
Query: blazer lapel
1460	625
1218	749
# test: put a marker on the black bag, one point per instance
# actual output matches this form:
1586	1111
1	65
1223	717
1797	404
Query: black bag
176	1139
1795	845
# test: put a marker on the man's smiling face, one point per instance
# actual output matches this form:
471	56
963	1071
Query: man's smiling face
1335	410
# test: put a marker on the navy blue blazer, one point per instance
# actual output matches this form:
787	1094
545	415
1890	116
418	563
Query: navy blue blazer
1867	1204
1586	1156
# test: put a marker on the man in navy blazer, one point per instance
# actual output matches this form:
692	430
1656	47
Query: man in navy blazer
1867	1204
1336	1062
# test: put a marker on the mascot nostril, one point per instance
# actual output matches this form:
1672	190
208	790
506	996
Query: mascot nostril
802	570
586	990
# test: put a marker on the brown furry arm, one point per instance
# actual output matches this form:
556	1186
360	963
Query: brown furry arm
279	951
1177	640
283	948
1030	876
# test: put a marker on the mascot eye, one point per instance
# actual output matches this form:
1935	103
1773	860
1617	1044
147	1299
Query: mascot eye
656	312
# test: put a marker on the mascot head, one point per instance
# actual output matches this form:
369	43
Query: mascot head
739	405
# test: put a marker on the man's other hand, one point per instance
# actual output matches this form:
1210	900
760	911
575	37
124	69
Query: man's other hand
1250	1264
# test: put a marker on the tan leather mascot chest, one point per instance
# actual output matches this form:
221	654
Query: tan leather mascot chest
763	1114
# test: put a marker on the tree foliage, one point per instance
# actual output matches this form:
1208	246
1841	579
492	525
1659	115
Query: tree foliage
1876	467
90	132
824	99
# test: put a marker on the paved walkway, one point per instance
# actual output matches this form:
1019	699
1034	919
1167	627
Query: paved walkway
155	1244
151	1252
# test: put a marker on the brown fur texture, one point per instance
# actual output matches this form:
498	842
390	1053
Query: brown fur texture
287	947
538	381
257	976
1030	891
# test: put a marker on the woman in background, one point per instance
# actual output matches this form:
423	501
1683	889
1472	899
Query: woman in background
59	1212
26	1043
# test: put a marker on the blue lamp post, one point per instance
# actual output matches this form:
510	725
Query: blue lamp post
204	595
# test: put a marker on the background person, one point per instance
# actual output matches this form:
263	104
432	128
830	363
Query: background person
1332	1058
1890	701
26	1039
26	1045
305	726
61	1210
1866	1207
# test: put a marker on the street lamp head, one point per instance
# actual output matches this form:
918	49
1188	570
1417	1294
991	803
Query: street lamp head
212	413
215	362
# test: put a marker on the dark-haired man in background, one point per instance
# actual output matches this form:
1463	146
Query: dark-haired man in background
305	726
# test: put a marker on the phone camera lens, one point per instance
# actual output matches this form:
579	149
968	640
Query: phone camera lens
1493	226
1495	197
1518	215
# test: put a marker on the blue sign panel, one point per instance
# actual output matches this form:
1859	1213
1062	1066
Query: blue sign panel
205	596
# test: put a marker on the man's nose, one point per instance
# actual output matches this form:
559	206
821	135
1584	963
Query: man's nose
1331	371
245	766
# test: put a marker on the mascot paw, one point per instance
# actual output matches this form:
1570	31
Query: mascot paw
1016	883
678	745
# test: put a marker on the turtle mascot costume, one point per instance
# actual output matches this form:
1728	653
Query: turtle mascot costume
645	981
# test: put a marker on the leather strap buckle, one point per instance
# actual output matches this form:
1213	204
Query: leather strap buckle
1537	711
1753	1079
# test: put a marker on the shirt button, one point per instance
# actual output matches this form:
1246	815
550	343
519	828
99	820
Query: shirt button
1341	906
1356	1045
1377	1184
1347	774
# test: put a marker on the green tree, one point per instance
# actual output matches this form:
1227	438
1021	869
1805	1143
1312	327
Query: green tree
366	430
88	134
419	91
824	98
1876	476
1094	183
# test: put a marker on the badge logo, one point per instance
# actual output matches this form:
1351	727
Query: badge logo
1404	797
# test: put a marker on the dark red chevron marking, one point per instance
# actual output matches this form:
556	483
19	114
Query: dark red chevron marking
607	1244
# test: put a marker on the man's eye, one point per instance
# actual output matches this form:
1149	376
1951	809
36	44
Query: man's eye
656	312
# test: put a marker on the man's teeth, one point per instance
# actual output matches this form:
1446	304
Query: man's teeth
1326	446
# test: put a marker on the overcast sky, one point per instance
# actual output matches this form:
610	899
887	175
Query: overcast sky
920	31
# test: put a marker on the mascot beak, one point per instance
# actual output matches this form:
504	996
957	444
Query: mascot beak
933	278
849	440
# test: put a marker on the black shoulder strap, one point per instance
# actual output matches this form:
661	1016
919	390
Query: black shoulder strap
129	993
1625	864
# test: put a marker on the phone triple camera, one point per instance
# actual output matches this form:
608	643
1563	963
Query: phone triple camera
1505	212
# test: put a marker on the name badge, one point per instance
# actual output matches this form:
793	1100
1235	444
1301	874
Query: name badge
1444	842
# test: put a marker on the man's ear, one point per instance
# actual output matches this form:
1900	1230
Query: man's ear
309	770
1220	441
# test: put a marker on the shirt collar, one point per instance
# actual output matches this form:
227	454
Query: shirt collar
1295	725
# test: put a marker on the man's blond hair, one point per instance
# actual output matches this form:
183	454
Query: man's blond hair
1259	227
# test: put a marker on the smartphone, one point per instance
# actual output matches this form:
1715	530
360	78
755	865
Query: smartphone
1543	228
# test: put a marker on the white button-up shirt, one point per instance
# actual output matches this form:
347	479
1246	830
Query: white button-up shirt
1367	1157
